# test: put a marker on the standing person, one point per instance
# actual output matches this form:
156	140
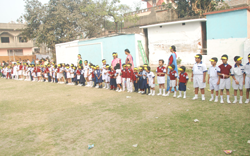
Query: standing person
124	76
104	73
151	81
173	79
225	82
129	59
129	78
171	60
247	79
183	80
116	60
98	75
238	76
79	60
213	79
199	77
161	71
118	77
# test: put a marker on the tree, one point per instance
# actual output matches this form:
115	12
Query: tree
67	20
187	8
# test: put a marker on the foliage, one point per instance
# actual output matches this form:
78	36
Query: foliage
187	8
66	20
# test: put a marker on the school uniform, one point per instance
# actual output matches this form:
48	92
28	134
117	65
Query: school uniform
136	84
38	72
183	78
213	74
129	80
238	72
82	79
103	72
124	78
98	74
173	75
90	72
161	77
71	71
225	83
144	84
198	70
247	78
118	78
107	78
112	80
20	71
86	69
151	77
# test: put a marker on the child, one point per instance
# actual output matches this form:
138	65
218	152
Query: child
183	80
135	79
161	71
68	74
93	76
124	76
151	81
247	79
98	74
129	78
145	85
213	79
118	77
238	78
78	75
140	79
112	79
20	71
59	74
86	72
39	74
173	79
107	76
225	82
104	72
199	77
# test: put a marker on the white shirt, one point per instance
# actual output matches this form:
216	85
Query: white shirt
213	71
237	71
150	76
199	68
247	69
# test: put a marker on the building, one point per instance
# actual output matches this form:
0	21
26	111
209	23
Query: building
184	34
12	43
228	32
153	3
97	49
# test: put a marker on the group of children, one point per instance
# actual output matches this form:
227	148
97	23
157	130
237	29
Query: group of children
142	78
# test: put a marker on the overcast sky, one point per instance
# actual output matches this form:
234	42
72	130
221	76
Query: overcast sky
11	10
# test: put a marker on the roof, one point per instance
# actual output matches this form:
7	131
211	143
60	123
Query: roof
12	26
227	10
175	22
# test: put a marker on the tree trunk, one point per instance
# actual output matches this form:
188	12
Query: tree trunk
116	27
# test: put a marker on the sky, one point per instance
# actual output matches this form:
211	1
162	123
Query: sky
11	10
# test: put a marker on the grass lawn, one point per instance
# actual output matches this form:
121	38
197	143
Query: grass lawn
55	119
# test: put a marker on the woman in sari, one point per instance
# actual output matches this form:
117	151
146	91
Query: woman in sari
129	58
116	60
79	60
171	60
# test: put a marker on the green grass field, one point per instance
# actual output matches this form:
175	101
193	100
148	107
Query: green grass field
55	119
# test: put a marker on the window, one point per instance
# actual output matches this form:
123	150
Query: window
5	40
23	39
16	52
